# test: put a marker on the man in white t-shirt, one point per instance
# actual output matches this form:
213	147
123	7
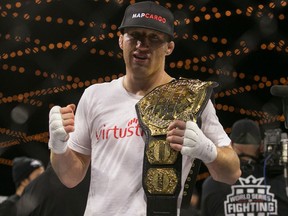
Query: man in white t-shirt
105	130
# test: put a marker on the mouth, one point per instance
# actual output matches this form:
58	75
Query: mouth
139	57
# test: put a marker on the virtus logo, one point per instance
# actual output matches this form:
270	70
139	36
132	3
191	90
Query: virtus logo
118	132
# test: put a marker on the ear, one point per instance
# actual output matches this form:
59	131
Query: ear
120	41
170	48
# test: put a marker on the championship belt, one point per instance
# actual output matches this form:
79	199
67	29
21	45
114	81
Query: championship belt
182	99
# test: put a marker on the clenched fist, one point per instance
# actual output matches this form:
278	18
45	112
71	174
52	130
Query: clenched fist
61	123
188	138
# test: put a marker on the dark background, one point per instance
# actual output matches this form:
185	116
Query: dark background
50	51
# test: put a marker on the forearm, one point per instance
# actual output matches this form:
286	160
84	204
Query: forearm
226	167
70	167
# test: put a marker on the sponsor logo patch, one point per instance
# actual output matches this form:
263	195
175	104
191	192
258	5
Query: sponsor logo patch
149	16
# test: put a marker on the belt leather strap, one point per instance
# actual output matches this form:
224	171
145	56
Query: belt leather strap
190	183
182	99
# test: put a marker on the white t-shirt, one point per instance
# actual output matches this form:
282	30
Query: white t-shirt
107	127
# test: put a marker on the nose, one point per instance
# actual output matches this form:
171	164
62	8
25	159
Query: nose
142	43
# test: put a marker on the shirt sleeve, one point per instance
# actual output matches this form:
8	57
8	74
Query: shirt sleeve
80	140
212	128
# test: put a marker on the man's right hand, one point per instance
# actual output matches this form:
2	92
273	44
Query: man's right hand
61	123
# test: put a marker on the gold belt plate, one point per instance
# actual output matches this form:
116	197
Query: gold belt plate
181	99
161	180
160	152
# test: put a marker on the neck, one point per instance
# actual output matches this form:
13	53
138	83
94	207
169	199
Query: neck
142	86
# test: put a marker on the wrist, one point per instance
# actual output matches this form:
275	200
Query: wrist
210	153
57	146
